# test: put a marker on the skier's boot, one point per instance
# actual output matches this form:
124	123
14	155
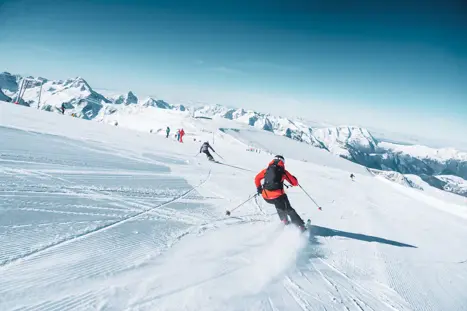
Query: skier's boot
285	221
302	226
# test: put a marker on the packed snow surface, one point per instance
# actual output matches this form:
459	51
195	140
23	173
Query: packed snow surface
98	217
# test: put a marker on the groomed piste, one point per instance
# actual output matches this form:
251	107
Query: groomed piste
98	217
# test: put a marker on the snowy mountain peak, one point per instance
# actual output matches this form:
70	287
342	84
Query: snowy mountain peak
338	140
211	111
127	99
3	97
9	83
158	103
78	83
233	114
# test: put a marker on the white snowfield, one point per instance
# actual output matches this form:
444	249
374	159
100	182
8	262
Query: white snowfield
98	217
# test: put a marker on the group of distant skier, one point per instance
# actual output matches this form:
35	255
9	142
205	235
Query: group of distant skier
179	135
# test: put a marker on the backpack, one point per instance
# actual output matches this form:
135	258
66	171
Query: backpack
273	177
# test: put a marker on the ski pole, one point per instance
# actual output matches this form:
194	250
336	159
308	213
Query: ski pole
251	197
219	155
319	207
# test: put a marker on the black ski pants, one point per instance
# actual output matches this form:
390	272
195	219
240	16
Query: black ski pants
284	208
210	157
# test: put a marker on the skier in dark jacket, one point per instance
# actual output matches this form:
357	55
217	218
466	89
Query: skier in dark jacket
272	190
205	149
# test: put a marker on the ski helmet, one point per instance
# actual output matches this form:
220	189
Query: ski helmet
280	158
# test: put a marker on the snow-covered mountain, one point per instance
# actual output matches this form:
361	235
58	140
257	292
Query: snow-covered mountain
454	184
397	178
283	126
3	97
343	140
9	83
447	183
159	103
424	152
350	142
76	95
419	160
127	99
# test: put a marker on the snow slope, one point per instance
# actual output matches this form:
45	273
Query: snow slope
96	217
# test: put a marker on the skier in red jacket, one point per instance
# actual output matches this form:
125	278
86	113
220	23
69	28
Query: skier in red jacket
182	133
273	190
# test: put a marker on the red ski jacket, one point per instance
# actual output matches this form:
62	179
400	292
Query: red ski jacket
274	194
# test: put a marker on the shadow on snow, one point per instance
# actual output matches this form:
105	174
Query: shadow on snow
327	232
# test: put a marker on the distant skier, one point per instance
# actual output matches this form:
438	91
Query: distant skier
272	190
352	176
178	135
182	133
63	108
167	132
205	149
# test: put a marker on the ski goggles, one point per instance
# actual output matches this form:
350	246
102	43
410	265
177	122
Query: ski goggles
280	159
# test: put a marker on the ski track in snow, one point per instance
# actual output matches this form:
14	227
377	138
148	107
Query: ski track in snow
94	217
33	191
97	229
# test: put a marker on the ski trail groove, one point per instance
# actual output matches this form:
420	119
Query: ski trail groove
298	294
102	228
271	305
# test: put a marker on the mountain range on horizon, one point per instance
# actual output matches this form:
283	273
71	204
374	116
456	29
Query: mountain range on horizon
444	168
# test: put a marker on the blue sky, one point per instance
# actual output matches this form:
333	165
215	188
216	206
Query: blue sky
397	67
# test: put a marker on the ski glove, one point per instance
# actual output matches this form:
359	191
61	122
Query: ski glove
259	189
